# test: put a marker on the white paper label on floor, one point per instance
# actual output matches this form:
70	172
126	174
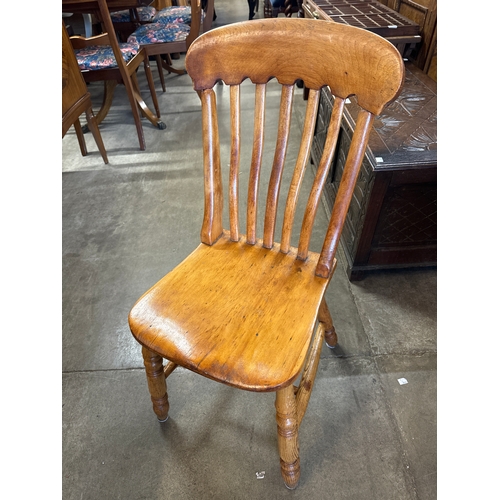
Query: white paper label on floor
260	475
402	381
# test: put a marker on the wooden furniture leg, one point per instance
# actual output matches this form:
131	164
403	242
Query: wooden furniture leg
167	64
160	71
288	436
92	125
143	106
156	383
149	77
109	89
79	136
325	317
304	390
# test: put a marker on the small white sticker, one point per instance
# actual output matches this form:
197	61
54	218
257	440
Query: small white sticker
392	26
402	381
379	159
260	475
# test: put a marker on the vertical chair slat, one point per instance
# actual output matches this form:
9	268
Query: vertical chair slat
347	183
258	144
212	218
320	179
300	168
278	164
234	165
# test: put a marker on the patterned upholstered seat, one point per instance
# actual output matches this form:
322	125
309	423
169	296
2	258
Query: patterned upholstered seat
146	14
159	33
174	14
102	57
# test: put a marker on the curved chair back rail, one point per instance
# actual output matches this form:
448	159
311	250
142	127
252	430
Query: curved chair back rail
351	62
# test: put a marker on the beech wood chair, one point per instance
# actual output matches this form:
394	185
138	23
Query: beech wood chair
246	311
76	99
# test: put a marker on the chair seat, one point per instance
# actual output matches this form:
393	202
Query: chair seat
174	14
159	33
146	14
267	303
102	57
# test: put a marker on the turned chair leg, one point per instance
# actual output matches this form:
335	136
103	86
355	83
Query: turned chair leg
325	317
156	383
288	436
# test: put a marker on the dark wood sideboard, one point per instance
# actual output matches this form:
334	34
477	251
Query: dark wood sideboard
370	15
392	219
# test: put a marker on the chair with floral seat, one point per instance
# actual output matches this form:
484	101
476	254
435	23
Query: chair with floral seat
173	30
97	62
127	21
110	64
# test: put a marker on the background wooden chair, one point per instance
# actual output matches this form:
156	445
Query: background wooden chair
76	99
127	21
168	36
112	68
241	310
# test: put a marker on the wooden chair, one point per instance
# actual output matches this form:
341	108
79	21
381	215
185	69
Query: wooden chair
76	99
163	38
246	311
119	70
109	72
125	22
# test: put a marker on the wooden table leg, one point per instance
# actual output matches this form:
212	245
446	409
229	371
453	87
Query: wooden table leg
143	106
109	89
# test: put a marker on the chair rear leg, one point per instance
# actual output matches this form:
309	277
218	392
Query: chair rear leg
288	436
91	122
156	383
325	317
160	72
79	136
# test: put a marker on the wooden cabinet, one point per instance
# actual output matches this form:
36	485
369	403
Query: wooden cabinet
370	15
424	13
392	219
411	25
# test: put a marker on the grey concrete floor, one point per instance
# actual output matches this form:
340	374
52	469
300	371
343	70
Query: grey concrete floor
125	225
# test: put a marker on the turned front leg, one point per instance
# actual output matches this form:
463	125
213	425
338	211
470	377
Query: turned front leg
325	317
156	383
288	436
